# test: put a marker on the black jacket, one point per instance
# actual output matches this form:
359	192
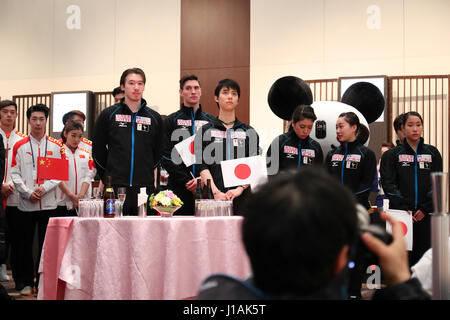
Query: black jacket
127	146
293	152
188	123
224	287
406	176
354	165
241	141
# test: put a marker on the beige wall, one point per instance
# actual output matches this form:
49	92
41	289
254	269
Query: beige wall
337	38
40	54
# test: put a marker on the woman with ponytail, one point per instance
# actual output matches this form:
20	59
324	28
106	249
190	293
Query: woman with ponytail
355	166
353	163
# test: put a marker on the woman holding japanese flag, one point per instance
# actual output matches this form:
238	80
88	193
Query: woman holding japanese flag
406	179
226	138
80	170
296	148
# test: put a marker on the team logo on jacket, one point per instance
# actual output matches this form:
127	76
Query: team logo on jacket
290	150
424	160
184	123
143	120
337	157
405	159
308	153
352	161
123	118
238	135
200	123
218	134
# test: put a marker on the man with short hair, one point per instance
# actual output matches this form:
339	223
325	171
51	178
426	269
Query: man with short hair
8	116
178	126
228	138
127	141
118	94
37	198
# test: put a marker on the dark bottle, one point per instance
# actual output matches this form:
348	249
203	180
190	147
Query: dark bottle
198	191
109	210
207	191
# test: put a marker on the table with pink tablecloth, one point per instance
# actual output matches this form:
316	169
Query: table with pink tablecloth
138	258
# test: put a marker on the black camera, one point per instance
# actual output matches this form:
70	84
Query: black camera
359	253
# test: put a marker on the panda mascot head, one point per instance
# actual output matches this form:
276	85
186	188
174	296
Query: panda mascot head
362	98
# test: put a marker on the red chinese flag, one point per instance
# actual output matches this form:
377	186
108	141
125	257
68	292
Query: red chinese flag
53	168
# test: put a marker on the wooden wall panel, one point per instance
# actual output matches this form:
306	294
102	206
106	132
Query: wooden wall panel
215	44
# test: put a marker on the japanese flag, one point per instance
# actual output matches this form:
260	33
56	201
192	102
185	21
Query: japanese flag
186	150
405	220
251	170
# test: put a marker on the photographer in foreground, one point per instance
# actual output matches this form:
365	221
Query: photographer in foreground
298	233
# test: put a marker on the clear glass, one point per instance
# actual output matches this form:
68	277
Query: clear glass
122	193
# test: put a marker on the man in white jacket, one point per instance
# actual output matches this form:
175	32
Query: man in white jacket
8	116
37	198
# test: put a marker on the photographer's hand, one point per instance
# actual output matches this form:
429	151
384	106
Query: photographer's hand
394	257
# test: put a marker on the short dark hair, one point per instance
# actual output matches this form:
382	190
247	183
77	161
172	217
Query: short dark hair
69	115
294	229
362	132
131	71
116	91
398	122
71	125
7	103
38	108
303	112
227	83
188	77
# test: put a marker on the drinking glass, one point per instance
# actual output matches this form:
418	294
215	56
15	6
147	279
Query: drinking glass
122	193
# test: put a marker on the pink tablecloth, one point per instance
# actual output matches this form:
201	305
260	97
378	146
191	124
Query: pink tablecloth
139	258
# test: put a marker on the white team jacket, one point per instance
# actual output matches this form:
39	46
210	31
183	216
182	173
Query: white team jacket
80	170
85	145
24	171
15	136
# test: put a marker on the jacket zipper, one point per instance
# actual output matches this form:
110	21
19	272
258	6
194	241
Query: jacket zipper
299	154
415	178
193	133
76	174
343	162
133	120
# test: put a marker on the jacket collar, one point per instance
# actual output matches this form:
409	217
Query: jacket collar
218	124
188	110
419	145
125	106
350	144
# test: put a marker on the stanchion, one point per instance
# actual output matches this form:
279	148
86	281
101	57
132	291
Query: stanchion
439	237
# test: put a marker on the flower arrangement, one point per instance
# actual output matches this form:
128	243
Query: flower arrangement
165	198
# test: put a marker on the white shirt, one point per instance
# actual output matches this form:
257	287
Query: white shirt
24	171
15	136
80	171
423	269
